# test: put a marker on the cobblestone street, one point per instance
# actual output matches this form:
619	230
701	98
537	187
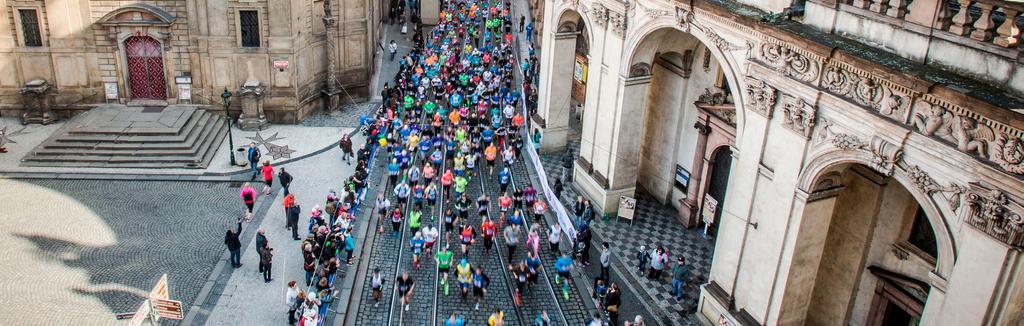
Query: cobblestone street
90	247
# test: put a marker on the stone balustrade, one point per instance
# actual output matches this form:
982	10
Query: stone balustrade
983	27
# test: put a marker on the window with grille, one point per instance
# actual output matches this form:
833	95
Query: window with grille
249	26
30	27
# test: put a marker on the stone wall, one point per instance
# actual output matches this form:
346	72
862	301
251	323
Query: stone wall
82	51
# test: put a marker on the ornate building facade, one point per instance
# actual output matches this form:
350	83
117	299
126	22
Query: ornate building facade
185	51
862	159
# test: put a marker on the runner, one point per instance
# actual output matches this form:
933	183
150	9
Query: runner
489	230
377	284
417	244
405	286
564	267
480	283
443	258
465	276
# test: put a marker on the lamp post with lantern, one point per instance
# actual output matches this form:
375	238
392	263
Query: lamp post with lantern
226	99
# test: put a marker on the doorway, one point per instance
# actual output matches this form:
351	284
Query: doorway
144	58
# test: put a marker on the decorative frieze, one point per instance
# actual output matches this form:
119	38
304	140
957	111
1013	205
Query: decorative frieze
993	212
970	133
798	115
883	97
789	61
760	96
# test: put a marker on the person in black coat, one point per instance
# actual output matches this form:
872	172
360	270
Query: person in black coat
234	245
285	178
612	301
293	220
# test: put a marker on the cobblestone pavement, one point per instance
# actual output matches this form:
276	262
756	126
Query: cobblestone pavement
246	299
546	295
91	248
347	116
654	224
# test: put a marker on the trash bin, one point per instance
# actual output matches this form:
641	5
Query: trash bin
241	156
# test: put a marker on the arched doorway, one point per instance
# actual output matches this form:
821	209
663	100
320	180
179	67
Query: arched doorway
866	248
145	63
718	182
562	87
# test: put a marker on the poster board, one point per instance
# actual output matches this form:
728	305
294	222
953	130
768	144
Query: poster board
709	209
627	206
110	91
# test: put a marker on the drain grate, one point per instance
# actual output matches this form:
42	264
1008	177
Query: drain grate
153	109
235	184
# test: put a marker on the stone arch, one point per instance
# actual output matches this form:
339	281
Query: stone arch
733	74
822	166
138	14
568	14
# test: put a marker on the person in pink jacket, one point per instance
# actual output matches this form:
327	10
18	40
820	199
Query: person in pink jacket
249	198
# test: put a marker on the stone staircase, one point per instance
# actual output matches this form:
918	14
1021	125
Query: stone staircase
118	136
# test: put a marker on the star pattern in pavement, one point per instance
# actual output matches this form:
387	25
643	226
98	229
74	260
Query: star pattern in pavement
274	150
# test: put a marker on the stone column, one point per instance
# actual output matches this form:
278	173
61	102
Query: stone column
252	117
556	91
688	210
430	11
615	170
35	96
332	93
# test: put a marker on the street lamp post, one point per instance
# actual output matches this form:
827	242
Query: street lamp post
226	99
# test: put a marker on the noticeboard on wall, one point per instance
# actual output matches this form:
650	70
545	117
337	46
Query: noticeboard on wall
682	178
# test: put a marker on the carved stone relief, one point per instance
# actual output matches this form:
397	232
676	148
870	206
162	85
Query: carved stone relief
760	96
790	62
884	154
798	115
993	212
617	23
924	182
971	135
864	90
599	14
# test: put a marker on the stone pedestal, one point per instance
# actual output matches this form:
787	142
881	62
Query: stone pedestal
36	98
253	117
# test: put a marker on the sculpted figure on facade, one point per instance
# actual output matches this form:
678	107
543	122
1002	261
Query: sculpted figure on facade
798	115
789	62
971	137
760	96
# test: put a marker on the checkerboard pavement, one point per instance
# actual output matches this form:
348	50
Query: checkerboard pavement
654	224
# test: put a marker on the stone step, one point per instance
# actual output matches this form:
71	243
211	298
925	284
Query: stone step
72	159
213	144
199	118
194	147
191	119
136	142
197	147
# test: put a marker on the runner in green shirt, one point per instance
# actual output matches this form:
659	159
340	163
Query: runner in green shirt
460	185
444	263
414	220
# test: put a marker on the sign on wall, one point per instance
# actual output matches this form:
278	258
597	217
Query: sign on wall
110	90
682	178
184	87
280	64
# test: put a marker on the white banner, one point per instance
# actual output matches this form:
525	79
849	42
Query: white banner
553	203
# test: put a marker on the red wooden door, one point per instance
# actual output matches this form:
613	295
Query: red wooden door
145	68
